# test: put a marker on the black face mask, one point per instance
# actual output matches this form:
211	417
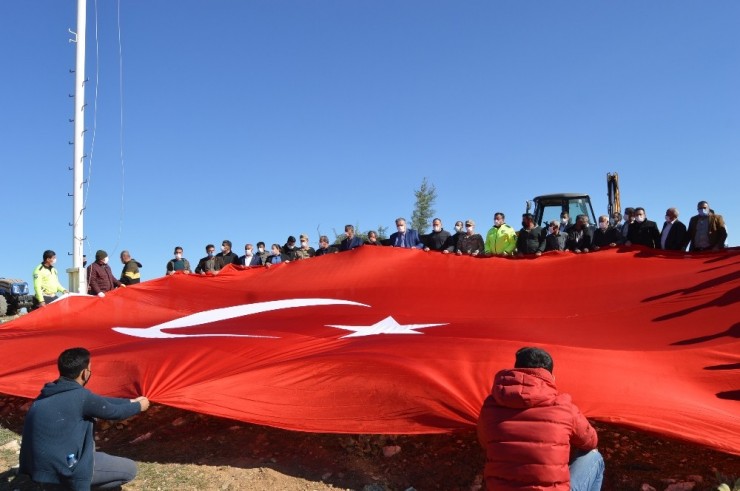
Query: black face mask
86	380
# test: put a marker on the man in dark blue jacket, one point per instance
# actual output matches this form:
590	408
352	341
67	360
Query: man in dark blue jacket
406	238
58	445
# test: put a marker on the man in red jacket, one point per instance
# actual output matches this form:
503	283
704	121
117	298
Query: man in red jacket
527	429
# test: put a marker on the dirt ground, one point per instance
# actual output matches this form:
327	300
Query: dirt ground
177	449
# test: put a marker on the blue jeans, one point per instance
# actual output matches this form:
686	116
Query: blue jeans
587	471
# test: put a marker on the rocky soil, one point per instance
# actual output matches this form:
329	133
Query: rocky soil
177	449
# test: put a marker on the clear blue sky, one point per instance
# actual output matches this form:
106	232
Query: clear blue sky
255	120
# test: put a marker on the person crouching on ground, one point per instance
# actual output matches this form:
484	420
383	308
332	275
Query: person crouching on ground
58	445
527	428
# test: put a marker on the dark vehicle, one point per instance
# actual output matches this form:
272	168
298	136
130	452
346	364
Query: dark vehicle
14	295
549	206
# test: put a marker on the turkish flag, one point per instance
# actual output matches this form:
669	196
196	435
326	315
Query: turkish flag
387	340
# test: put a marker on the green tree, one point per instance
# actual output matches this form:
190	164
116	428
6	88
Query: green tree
424	207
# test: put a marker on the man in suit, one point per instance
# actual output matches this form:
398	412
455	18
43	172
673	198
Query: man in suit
643	231
707	230
250	258
406	238
673	235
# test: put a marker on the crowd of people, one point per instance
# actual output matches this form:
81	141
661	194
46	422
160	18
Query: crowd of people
706	231
532	434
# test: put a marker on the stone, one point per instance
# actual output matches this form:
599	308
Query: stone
391	450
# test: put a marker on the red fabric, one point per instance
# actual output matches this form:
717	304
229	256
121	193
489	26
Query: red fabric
527	428
640	338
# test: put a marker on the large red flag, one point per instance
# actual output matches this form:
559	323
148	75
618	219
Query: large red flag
384	340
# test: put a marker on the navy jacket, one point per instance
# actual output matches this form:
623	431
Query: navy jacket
412	239
59	423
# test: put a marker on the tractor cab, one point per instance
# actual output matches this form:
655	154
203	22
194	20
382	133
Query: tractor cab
548	207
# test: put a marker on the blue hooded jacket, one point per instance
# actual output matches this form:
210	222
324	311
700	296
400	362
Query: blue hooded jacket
60	423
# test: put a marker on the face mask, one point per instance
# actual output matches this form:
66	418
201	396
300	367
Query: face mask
437	228
105	260
703	212
458	228
603	225
223	248
248	252
667	218
261	249
564	221
639	219
178	256
401	228
612	221
86	380
304	243
469	230
498	222
53	261
210	253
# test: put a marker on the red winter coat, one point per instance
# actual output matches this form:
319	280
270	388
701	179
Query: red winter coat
527	429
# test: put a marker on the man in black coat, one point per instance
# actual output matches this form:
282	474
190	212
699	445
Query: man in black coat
643	231
673	235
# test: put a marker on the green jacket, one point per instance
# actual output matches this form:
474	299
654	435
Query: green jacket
501	240
46	282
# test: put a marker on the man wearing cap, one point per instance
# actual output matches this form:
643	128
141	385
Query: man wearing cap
46	280
100	277
289	249
226	256
305	251
470	243
405	238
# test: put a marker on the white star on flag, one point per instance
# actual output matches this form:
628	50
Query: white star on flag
389	325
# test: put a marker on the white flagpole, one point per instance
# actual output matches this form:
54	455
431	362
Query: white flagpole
77	276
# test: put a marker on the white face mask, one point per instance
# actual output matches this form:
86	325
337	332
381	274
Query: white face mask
437	228
105	260
603	225
53	261
178	256
261	249
223	248
401	228
458	228
640	218
498	222
469	230
248	252
304	244
703	212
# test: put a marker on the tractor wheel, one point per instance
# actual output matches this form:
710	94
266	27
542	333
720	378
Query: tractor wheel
3	305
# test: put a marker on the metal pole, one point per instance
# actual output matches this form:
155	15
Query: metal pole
77	276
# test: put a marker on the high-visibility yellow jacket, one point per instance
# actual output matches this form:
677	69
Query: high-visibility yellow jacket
501	240
46	282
